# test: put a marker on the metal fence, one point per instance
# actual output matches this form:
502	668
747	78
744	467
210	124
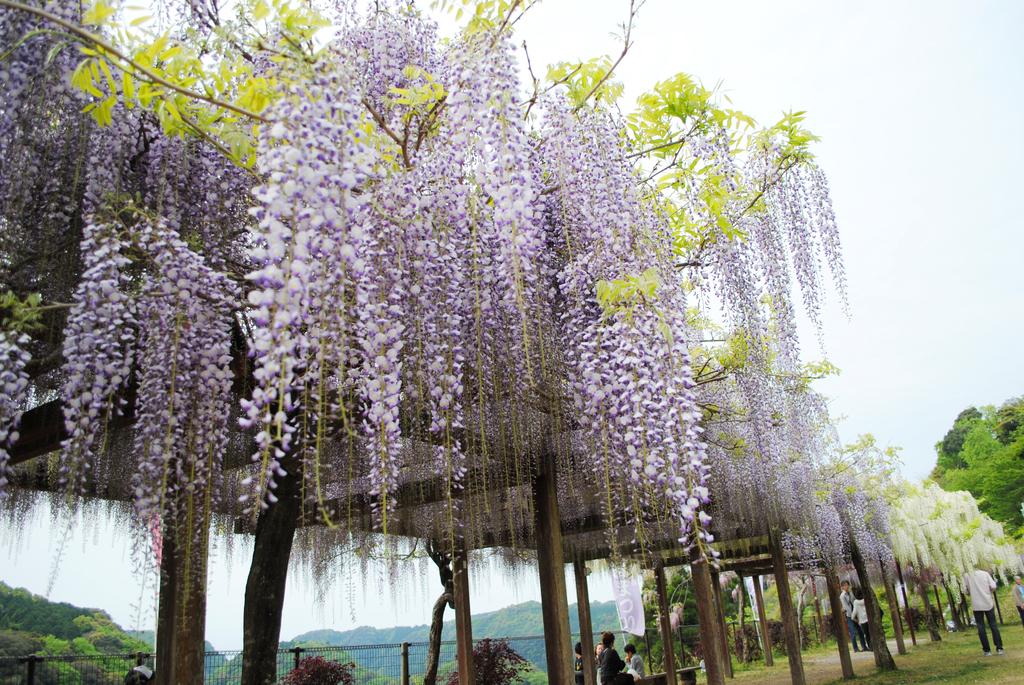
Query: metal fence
383	664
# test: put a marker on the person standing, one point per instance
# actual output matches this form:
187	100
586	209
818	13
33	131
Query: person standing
979	585
610	664
633	660
860	617
578	664
1018	597
846	599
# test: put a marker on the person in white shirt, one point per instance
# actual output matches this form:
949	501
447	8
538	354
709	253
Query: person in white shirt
979	585
846	600
860	615
633	661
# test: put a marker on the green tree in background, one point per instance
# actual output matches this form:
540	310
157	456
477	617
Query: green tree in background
983	453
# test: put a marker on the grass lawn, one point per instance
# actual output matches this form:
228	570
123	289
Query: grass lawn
957	659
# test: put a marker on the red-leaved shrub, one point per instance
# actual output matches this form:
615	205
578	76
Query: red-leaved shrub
319	671
495	663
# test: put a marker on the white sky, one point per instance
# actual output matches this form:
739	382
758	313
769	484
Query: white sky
918	104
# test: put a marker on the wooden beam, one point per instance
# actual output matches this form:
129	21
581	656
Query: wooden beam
551	570
766	635
666	624
586	624
705	598
839	625
463	614
789	620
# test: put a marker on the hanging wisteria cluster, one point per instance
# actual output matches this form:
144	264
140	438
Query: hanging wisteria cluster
429	282
14	386
934	528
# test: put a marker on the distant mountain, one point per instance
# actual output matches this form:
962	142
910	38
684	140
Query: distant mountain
30	624
149	637
518	620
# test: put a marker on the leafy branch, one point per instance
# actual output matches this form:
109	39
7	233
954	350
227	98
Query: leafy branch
125	63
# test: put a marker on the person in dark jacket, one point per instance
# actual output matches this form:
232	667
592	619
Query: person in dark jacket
610	664
578	664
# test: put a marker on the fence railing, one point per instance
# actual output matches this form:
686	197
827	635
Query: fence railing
382	664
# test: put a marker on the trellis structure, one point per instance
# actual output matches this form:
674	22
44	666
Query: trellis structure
456	314
748	550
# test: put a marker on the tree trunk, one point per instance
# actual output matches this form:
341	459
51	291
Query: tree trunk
906	603
265	587
929	614
883	659
964	609
952	605
434	641
894	610
839	622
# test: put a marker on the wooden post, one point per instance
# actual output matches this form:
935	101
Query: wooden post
181	625
743	648
789	619
906	603
839	622
666	625
404	674
30	669
723	631
894	610
551	569
586	624
817	611
705	599
463	613
766	637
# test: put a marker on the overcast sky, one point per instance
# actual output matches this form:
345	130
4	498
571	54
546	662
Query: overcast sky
918	105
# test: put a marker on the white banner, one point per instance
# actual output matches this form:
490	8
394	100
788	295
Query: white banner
628	602
749	582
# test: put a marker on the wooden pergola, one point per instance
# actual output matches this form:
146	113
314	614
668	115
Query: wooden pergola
514	486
